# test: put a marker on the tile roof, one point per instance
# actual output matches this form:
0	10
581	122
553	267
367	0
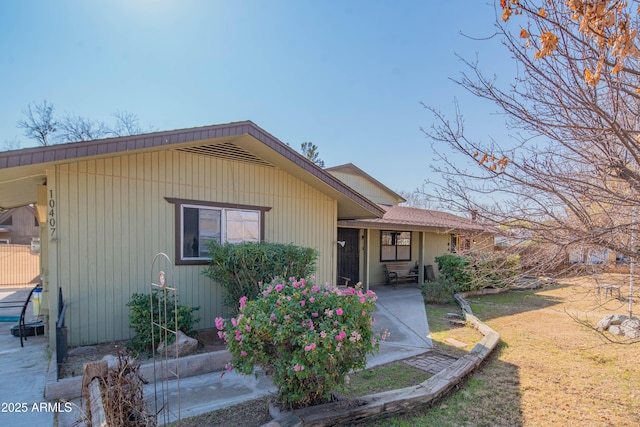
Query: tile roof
408	218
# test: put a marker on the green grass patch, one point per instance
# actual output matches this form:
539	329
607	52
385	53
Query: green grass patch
386	377
481	400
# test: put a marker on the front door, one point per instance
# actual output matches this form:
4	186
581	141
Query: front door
349	254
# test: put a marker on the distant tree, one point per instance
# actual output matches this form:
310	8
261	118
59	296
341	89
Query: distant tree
74	128
10	144
126	123
418	198
39	122
310	151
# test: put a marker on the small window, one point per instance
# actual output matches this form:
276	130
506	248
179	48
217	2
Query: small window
453	243
395	246
198	223
8	221
465	244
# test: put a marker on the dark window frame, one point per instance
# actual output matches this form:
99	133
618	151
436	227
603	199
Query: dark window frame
394	236
179	203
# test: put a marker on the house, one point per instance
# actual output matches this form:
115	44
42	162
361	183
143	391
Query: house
107	207
405	234
19	226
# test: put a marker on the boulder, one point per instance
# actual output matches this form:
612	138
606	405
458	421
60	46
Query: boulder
615	329
611	319
630	328
112	361
183	346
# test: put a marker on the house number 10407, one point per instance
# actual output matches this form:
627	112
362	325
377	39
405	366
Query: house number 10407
51	221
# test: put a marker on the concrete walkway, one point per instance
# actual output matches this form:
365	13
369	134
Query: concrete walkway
23	372
400	311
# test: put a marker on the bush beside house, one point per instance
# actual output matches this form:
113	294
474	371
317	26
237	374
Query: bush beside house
241	268
463	273
307	336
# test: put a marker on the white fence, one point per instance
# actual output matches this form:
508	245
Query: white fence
19	266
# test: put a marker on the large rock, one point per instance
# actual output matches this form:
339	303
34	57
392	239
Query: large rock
631	328
611	319
183	346
112	361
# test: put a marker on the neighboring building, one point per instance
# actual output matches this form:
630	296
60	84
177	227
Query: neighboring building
107	207
19	226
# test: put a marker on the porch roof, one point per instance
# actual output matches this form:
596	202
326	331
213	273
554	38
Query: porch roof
410	219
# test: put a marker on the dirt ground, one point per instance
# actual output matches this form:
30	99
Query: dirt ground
208	341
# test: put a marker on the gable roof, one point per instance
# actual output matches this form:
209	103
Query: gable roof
408	218
21	171
352	169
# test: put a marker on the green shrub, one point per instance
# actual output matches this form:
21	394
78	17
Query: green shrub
309	337
476	271
140	319
439	292
454	269
241	268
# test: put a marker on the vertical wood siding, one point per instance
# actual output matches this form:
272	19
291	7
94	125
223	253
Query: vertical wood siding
113	218
365	187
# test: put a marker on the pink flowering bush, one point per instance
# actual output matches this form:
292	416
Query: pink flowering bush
307	336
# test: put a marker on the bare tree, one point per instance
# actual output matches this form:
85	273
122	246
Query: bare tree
418	198
310	151
569	179
73	128
11	144
126	123
39	122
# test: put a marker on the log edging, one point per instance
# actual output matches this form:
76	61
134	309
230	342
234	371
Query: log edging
403	400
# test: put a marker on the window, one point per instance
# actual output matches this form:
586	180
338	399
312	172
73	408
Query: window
395	246
197	223
465	244
453	243
459	243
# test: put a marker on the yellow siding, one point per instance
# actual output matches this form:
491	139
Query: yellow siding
113	218
435	244
365	187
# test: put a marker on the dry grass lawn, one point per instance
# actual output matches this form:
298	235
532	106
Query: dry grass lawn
550	369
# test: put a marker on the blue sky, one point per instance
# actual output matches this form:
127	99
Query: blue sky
348	76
